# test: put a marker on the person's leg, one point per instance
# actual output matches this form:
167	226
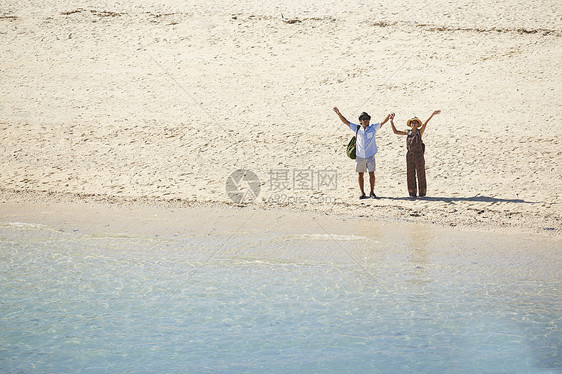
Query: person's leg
372	181
371	167
361	168
420	168
411	174
361	180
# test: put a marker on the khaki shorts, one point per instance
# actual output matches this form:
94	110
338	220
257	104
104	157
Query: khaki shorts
363	165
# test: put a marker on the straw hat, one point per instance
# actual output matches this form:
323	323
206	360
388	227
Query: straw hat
415	119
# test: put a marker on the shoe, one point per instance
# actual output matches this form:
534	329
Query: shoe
373	196
363	197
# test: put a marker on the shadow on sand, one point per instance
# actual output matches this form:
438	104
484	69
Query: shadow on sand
483	199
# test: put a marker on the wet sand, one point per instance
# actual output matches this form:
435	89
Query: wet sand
535	254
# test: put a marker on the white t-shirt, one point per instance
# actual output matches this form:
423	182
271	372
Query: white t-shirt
366	144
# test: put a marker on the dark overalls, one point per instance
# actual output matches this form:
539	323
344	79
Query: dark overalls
415	164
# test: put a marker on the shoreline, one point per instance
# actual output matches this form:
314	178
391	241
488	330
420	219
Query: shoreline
337	239
65	209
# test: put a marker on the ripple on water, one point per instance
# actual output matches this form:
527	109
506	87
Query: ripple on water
93	303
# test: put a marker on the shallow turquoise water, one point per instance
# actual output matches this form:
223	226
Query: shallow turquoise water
73	302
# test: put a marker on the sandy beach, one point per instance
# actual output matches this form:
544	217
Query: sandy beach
157	103
130	241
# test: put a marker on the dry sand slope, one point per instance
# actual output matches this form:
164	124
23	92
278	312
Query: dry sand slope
152	101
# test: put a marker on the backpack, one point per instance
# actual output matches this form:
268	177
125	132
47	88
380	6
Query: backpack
351	146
